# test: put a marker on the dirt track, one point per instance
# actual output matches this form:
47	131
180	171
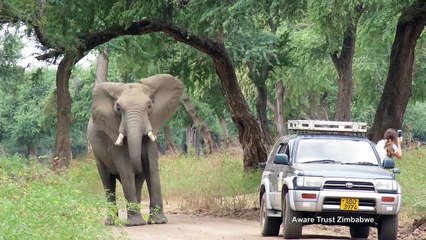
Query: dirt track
187	227
184	227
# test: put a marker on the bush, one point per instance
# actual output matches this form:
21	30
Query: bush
211	184
413	181
36	203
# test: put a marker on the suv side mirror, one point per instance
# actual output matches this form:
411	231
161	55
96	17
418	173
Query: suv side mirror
281	158
388	163
262	165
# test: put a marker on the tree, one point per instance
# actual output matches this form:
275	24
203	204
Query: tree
398	86
199	123
277	108
102	66
81	33
261	46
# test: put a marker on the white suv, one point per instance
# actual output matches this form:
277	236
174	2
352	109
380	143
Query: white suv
328	173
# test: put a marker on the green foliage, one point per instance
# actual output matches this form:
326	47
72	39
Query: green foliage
412	181
36	203
81	86
23	107
293	38
413	123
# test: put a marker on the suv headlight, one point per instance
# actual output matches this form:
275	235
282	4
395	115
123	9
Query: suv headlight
386	185
309	182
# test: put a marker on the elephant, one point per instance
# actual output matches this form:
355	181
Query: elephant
122	130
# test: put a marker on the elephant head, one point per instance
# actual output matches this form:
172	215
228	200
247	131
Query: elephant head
135	110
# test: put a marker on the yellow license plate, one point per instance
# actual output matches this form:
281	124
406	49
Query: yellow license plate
349	204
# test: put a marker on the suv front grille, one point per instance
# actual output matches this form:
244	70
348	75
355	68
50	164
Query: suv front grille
349	185
362	202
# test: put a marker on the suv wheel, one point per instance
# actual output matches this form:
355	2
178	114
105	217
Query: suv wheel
291	229
359	231
270	226
388	227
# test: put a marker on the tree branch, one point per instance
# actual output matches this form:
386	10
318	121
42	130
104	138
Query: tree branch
51	54
335	59
145	26
204	44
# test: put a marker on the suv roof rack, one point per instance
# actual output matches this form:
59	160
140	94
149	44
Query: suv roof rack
309	126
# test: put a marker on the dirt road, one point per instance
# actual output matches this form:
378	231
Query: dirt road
184	227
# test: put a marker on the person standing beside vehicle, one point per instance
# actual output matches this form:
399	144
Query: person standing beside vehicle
390	145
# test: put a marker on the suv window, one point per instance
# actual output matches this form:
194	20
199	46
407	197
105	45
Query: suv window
283	148
344	150
278	148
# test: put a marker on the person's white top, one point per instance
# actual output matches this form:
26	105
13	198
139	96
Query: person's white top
380	146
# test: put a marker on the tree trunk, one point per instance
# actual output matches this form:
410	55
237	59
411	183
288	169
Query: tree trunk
31	150
170	143
343	64
199	124
279	122
192	141
318	107
262	116
249	132
259	75
277	108
225	131
102	66
63	154
398	86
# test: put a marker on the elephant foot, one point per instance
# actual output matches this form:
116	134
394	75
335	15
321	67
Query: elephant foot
135	219
157	218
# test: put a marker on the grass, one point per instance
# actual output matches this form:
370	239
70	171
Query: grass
38	204
413	181
212	184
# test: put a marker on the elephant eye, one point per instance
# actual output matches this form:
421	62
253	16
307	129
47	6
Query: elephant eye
150	108
117	108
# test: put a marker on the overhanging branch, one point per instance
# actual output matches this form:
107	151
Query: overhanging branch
146	26
204	44
51	54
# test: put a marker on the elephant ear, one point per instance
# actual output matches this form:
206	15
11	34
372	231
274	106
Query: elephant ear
104	96
165	92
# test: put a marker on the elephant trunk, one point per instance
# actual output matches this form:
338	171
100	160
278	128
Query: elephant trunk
134	141
136	129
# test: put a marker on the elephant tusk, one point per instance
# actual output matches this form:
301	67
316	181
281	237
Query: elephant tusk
119	141
151	136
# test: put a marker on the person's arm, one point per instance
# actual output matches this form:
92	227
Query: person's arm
398	152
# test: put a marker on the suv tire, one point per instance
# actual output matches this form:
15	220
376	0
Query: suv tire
270	226
359	231
291	229
388	227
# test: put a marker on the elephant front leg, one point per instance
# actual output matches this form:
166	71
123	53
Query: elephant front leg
134	216
156	212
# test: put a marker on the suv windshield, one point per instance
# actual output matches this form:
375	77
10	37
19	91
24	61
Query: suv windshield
342	151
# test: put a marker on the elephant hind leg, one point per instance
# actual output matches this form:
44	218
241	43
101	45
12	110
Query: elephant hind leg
109	183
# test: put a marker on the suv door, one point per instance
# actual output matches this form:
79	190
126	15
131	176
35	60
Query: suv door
277	175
